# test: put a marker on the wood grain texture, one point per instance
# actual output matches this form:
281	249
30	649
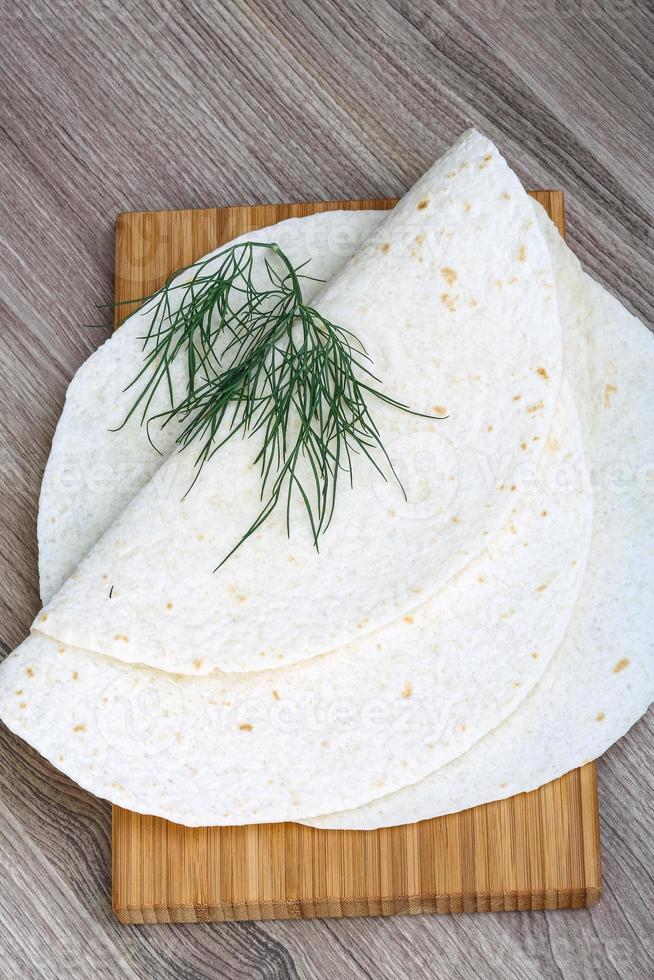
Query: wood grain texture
539	850
536	851
169	105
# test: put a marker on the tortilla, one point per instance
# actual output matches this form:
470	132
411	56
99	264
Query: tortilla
453	296
602	678
472	644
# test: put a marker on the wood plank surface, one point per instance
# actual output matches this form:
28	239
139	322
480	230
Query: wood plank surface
539	850
117	107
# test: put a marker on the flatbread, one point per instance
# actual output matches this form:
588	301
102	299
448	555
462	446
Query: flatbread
453	296
371	716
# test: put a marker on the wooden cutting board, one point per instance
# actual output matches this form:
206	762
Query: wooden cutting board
533	851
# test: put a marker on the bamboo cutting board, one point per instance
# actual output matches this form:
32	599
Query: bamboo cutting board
533	851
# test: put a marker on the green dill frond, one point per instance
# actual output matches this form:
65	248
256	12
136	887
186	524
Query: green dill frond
260	360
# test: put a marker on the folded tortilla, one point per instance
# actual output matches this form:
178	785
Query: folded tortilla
453	296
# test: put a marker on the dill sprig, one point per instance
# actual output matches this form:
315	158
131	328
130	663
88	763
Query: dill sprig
260	360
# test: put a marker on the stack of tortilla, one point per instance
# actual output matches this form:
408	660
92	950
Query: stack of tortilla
482	634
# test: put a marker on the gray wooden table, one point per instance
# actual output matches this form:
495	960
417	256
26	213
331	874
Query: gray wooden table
110	106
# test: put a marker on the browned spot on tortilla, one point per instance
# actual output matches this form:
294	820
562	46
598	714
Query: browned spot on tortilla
485	161
456	519
449	275
535	655
439	409
466	205
245	727
121	636
498	283
79	728
516	398
61	650
621	665
481	578
553	444
378	646
29	672
197	664
22	705
75	675
448	302
386	247
609	391
43	618
506	196
408	619
600	716
275	694
420	239
19	692
472	303
200	537
489	429
535	408
541	588
543	373
407	690
543	513
513	488
517	684
241	598
423	204
169	605
522	253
